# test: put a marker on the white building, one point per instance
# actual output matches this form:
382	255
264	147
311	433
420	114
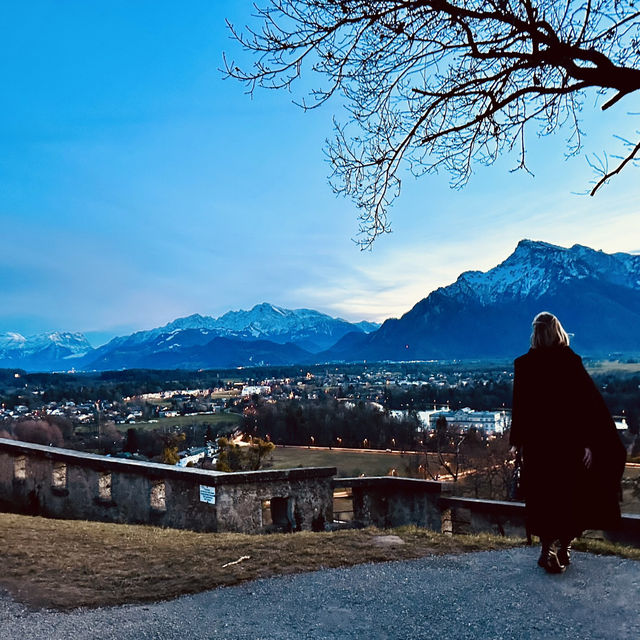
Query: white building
621	424
250	390
464	419
194	455
424	417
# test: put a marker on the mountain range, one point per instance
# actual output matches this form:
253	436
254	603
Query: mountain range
481	315
266	334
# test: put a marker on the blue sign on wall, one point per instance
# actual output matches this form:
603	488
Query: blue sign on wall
207	494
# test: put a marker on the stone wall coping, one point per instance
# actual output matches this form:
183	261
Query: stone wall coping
157	470
502	506
394	482
479	504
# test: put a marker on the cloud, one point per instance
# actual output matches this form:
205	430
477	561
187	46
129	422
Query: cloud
387	285
392	278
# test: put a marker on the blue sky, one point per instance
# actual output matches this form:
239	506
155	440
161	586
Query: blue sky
137	185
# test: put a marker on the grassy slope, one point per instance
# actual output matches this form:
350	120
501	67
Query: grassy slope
67	564
613	366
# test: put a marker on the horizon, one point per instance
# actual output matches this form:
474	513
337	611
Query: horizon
94	344
139	186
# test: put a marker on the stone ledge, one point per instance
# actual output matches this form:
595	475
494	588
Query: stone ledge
628	532
393	483
159	471
490	507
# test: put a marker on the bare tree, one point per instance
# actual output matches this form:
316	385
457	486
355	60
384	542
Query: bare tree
39	432
444	84
448	445
442	454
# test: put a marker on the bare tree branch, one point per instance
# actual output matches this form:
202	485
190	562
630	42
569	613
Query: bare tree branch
607	175
432	85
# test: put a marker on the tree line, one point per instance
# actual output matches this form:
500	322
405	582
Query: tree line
329	422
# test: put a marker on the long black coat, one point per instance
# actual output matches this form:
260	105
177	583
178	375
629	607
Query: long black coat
557	412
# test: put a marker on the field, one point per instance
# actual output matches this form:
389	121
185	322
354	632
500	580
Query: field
227	393
163	424
613	366
349	463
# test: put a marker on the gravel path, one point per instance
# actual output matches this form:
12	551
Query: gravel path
493	594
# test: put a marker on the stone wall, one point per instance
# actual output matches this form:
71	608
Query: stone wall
61	483
471	515
393	502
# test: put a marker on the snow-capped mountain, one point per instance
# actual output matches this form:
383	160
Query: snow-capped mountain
366	326
306	328
273	335
11	342
185	350
285	335
535	269
42	351
488	314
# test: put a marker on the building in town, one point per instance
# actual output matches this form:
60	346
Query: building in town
488	421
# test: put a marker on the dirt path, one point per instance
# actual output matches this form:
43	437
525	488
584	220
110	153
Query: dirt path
492	594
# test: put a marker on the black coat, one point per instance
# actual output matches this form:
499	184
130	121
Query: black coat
557	412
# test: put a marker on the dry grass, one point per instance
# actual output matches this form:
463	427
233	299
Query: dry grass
604	548
66	564
349	463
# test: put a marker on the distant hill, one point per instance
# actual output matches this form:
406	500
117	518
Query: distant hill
595	295
186	351
306	328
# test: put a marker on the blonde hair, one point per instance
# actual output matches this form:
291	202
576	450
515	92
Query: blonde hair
548	332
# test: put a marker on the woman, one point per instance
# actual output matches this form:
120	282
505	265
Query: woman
573	459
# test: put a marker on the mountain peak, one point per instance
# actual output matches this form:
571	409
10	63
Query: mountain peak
267	307
537	267
194	321
526	243
537	250
43	350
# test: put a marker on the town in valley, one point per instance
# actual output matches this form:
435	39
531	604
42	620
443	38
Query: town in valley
435	420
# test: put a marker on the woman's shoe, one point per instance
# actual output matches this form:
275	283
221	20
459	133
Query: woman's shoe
549	561
564	555
553	564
